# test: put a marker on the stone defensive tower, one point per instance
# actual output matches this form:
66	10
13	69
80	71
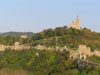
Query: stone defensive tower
84	51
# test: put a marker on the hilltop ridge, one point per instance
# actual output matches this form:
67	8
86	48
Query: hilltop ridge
18	34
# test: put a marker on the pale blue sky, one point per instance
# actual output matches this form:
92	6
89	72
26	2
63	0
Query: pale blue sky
37	15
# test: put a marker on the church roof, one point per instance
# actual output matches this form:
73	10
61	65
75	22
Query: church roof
72	24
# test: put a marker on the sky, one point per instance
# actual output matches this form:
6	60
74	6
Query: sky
37	15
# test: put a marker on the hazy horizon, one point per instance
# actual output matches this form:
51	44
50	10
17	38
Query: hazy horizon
37	15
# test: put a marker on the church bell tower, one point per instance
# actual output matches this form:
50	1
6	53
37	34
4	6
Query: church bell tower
78	22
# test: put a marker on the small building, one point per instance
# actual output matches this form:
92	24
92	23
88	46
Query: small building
23	36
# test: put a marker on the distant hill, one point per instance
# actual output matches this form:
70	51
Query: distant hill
29	34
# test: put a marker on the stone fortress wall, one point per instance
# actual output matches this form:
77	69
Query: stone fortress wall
16	46
41	47
81	53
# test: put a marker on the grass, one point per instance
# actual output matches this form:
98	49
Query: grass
70	47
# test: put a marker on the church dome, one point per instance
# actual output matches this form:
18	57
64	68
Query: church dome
73	21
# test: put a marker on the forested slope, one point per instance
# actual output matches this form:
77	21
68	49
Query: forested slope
72	37
46	63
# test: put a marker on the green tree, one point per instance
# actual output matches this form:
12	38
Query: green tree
42	35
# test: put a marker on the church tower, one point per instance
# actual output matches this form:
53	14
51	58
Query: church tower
75	25
78	23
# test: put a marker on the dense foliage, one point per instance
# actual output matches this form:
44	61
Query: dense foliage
46	63
94	58
64	36
8	40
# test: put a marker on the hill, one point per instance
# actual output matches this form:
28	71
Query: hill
68	36
29	34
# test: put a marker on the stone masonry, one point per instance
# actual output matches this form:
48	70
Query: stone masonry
75	25
16	46
83	52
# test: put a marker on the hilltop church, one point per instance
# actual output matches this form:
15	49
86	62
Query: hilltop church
75	25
